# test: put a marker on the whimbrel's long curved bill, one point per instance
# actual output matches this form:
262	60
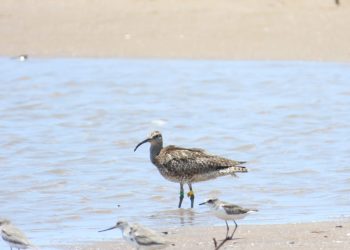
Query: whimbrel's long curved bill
107	229
144	141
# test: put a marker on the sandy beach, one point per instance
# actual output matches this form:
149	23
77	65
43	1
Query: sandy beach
240	30
312	236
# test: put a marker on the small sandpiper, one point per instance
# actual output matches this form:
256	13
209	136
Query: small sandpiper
140	237
227	211
13	236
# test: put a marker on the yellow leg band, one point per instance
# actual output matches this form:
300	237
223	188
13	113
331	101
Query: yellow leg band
190	194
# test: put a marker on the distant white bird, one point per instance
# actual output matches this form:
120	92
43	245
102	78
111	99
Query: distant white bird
227	211
20	58
140	236
23	58
13	236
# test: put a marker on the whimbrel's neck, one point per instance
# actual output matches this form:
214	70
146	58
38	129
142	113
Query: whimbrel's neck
155	150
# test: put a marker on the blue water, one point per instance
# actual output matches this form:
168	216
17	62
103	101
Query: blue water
68	128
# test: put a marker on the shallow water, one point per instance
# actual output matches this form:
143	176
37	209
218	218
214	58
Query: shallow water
68	128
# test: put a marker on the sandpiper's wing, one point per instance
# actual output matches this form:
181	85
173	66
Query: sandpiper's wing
13	235
179	159
147	237
233	209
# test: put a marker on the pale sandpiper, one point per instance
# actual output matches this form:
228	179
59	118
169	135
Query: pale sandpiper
227	211
13	236
140	237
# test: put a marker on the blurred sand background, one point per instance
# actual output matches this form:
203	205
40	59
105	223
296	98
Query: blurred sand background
199	29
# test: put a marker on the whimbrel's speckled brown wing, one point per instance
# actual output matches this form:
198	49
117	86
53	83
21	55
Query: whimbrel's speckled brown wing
191	161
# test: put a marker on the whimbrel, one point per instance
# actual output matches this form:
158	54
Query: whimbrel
140	236
188	165
227	211
13	236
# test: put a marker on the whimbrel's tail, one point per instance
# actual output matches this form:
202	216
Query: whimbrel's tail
239	169
222	171
252	211
233	170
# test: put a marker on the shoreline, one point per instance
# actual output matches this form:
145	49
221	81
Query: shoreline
312	236
52	57
283	30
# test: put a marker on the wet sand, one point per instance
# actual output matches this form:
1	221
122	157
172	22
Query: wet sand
207	29
320	235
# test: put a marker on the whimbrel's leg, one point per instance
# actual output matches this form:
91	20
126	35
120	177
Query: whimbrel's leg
234	230
227	229
191	194
181	194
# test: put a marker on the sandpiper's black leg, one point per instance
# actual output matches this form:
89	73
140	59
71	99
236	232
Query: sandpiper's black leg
181	194
227	229
234	230
191	194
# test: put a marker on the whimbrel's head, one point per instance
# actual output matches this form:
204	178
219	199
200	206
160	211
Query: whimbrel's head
120	224
155	139
4	222
210	202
